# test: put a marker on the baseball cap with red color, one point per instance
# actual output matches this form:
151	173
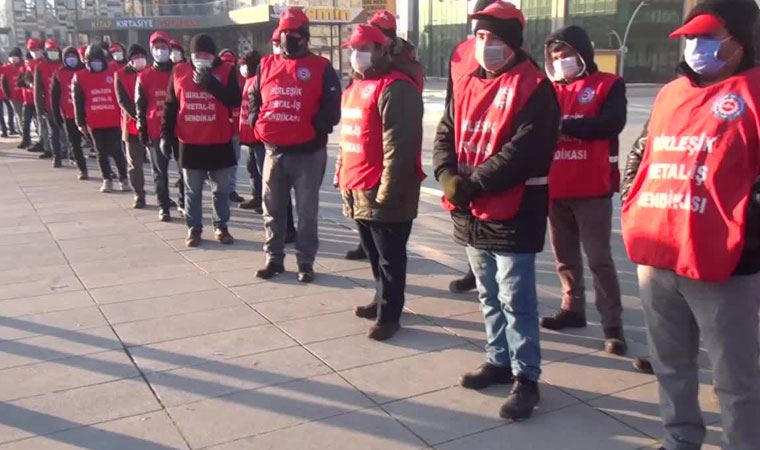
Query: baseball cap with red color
292	19
365	34
51	43
33	44
276	35
159	36
175	43
700	25
501	10
383	19
116	47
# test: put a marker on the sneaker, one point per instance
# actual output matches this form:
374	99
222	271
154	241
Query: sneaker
290	236
564	319
614	342
83	176
223	235
270	271
367	311
486	375
164	216
643	365
181	211
464	284
107	186
305	273
139	202
356	254
521	401
383	331
124	186
45	155
193	238
235	197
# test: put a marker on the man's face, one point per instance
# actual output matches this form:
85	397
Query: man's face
562	53
377	51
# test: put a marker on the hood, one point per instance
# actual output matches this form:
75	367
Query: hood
577	38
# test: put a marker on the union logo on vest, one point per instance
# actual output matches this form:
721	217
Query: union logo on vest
303	73
729	107
586	96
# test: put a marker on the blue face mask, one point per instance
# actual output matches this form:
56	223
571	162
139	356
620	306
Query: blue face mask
701	54
71	61
96	65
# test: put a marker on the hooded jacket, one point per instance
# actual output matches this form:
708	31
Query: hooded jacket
56	90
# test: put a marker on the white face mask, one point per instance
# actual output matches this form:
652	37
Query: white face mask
244	71
176	56
118	56
14	59
361	61
139	63
276	50
493	56
160	54
36	54
201	63
53	55
566	68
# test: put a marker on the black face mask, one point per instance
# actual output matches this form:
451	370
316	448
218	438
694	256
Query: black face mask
292	45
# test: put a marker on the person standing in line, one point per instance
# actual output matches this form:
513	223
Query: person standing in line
492	154
87	142
43	74
124	84
5	104
201	96
12	94
177	54
230	57
116	56
97	113
295	103
62	104
583	178
249	64
26	82
381	169
691	222
150	97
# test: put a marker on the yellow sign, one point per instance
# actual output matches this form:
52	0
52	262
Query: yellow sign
326	14
373	6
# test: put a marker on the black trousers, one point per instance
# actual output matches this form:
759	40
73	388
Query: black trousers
75	142
107	142
385	244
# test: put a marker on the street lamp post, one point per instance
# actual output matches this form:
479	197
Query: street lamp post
624	43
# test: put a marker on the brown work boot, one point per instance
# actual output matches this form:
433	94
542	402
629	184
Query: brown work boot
614	342
564	319
271	270
486	375
193	238
223	235
367	311
383	331
139	202
521	401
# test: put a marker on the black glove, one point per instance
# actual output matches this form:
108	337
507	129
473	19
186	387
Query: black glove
166	147
457	189
202	77
144	138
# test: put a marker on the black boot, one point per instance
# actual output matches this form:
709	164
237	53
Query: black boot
356	254
270	271
383	331
305	273
57	162
564	319
465	284
367	311
614	341
486	375
643	365
45	155
521	401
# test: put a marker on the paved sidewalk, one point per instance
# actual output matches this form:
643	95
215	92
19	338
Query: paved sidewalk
113	335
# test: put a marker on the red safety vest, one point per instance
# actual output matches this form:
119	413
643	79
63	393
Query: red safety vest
66	101
115	66
27	93
46	69
3	75
247	136
202	119
687	205
127	79
361	138
12	73
484	110
100	106
291	91
153	86
463	60
582	168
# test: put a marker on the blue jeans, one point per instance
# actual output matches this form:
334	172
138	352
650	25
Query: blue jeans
507	290
233	170
194	180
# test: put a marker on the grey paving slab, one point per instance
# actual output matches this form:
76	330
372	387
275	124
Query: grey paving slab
314	305
289	287
104	278
184	283
44	296
58	346
174	305
51	323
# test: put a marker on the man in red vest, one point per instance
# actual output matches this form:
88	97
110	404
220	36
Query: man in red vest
380	169
49	129
5	104
295	103
177	54
97	114
11	72
150	97
125	80
691	221
492	154
25	81
63	106
230	57
582	180
198	107
116	56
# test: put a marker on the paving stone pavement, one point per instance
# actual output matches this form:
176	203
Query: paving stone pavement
113	335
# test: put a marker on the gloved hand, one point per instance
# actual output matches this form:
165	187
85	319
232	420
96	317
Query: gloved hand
166	147
202	77
457	189
144	138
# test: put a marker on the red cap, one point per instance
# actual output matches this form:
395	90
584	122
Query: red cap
366	34
276	35
383	19
159	36
175	43
292	19
51	43
698	26
228	57
33	44
116	47
501	10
